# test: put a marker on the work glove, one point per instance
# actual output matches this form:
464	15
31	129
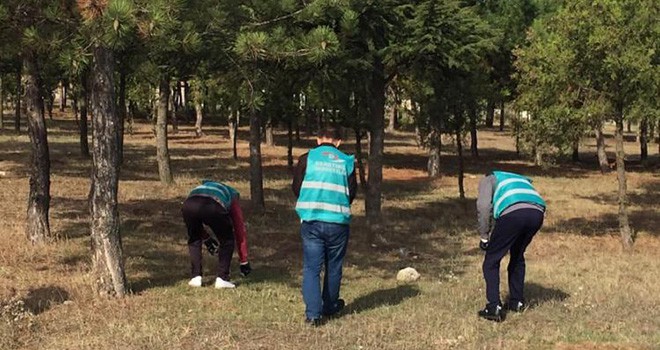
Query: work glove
245	269
212	245
483	244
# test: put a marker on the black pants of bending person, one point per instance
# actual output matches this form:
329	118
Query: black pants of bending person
198	211
512	233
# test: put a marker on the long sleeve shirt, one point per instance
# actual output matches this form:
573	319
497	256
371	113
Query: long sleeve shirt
240	233
485	220
299	176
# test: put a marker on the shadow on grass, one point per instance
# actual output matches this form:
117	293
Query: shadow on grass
537	295
41	299
383	297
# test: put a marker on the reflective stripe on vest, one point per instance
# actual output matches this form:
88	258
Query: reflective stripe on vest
512	188
324	193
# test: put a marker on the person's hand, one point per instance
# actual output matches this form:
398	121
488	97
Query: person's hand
483	244
211	245
245	268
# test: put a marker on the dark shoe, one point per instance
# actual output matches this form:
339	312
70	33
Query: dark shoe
338	307
212	245
315	322
516	306
492	313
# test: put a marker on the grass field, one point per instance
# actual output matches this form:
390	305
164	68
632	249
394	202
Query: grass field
584	291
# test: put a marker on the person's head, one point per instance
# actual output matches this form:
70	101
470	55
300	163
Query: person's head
329	135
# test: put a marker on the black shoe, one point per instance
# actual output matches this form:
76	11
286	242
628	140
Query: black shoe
338	307
516	306
492	313
212	245
315	322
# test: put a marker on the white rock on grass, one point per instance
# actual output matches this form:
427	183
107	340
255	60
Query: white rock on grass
407	275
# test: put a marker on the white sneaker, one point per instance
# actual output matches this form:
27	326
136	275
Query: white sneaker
220	283
195	281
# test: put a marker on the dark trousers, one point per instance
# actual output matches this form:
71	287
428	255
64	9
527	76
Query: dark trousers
198	211
512	233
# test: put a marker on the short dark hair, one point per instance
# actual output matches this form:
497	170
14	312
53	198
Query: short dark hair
329	133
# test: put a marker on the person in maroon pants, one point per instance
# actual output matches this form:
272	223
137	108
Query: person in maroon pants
216	205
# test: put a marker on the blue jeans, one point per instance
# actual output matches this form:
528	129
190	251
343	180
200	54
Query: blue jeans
324	243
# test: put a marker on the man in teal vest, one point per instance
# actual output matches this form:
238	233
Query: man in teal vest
324	183
509	205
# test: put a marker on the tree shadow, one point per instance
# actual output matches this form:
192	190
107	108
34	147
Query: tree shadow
41	299
537	295
383	297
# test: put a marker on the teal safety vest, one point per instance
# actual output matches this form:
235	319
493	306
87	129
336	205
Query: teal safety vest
221	193
324	193
512	188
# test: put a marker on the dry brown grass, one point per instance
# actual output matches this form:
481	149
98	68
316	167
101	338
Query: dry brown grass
584	290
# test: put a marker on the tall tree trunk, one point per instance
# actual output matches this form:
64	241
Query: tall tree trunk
461	170
394	112
82	123
256	171
121	111
2	105
38	227
358	154
270	139
629	126
51	103
600	150
643	138
233	127
474	150
297	127
289	145
107	259
199	115
502	115
74	107
624	225
62	101
172	110
376	145
162	150
490	114
19	93
576	150
435	147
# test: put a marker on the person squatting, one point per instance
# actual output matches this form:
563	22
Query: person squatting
510	212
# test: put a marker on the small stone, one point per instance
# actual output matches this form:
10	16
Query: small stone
407	275
67	302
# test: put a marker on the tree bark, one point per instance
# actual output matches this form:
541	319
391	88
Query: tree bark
19	95
172	110
107	259
624	225
576	150
358	154
233	127
37	225
461	170
121	111
256	171
490	114
643	139
270	139
82	123
199	116
62	96
474	150
435	148
502	115
376	145
600	150
162	150
629	126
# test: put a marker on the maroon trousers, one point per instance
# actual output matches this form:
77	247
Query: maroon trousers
198	211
